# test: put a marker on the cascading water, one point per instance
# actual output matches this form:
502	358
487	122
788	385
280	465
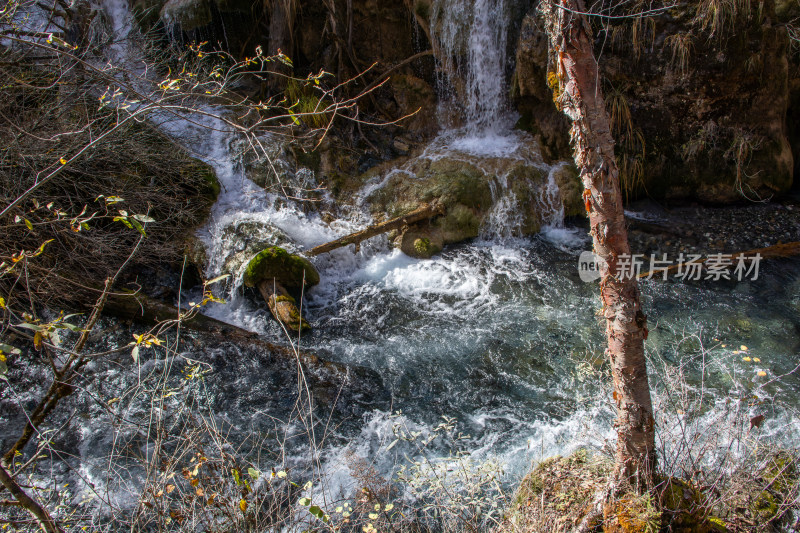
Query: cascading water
499	334
482	74
470	38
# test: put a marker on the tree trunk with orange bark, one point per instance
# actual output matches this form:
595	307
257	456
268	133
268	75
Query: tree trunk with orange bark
579	96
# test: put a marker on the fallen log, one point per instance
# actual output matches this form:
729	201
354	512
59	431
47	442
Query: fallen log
282	305
788	249
423	213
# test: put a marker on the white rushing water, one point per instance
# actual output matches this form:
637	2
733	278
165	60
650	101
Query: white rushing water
373	290
497	333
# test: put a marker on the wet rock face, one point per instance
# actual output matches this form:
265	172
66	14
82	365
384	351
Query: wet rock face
476	192
461	187
532	96
713	125
415	97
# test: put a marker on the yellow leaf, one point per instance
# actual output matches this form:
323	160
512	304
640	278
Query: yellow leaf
761	373
2	303
63	161
746	359
756	359
743	348
243	505
170	488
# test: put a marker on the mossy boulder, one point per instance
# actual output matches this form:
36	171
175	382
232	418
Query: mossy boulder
290	270
683	508
422	244
462	188
558	493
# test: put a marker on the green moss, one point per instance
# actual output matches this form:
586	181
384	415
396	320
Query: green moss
424	248
422	245
454	182
780	476
765	507
288	269
304	101
458	224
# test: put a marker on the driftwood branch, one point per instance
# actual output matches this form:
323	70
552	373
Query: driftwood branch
423	213
41	515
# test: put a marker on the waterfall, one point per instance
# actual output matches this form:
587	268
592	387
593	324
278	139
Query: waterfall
470	38
471	42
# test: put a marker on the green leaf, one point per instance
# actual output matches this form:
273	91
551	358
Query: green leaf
236	476
253	473
139	227
124	220
304	501
28	224
6	348
294	118
33	327
40	249
316	511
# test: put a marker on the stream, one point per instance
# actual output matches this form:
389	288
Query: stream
500	334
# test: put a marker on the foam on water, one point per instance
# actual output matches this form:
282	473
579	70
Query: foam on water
494	333
490	144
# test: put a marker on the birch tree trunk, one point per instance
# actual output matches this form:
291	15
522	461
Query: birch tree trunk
578	95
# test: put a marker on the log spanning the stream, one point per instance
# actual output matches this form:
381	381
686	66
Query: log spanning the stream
788	249
425	212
